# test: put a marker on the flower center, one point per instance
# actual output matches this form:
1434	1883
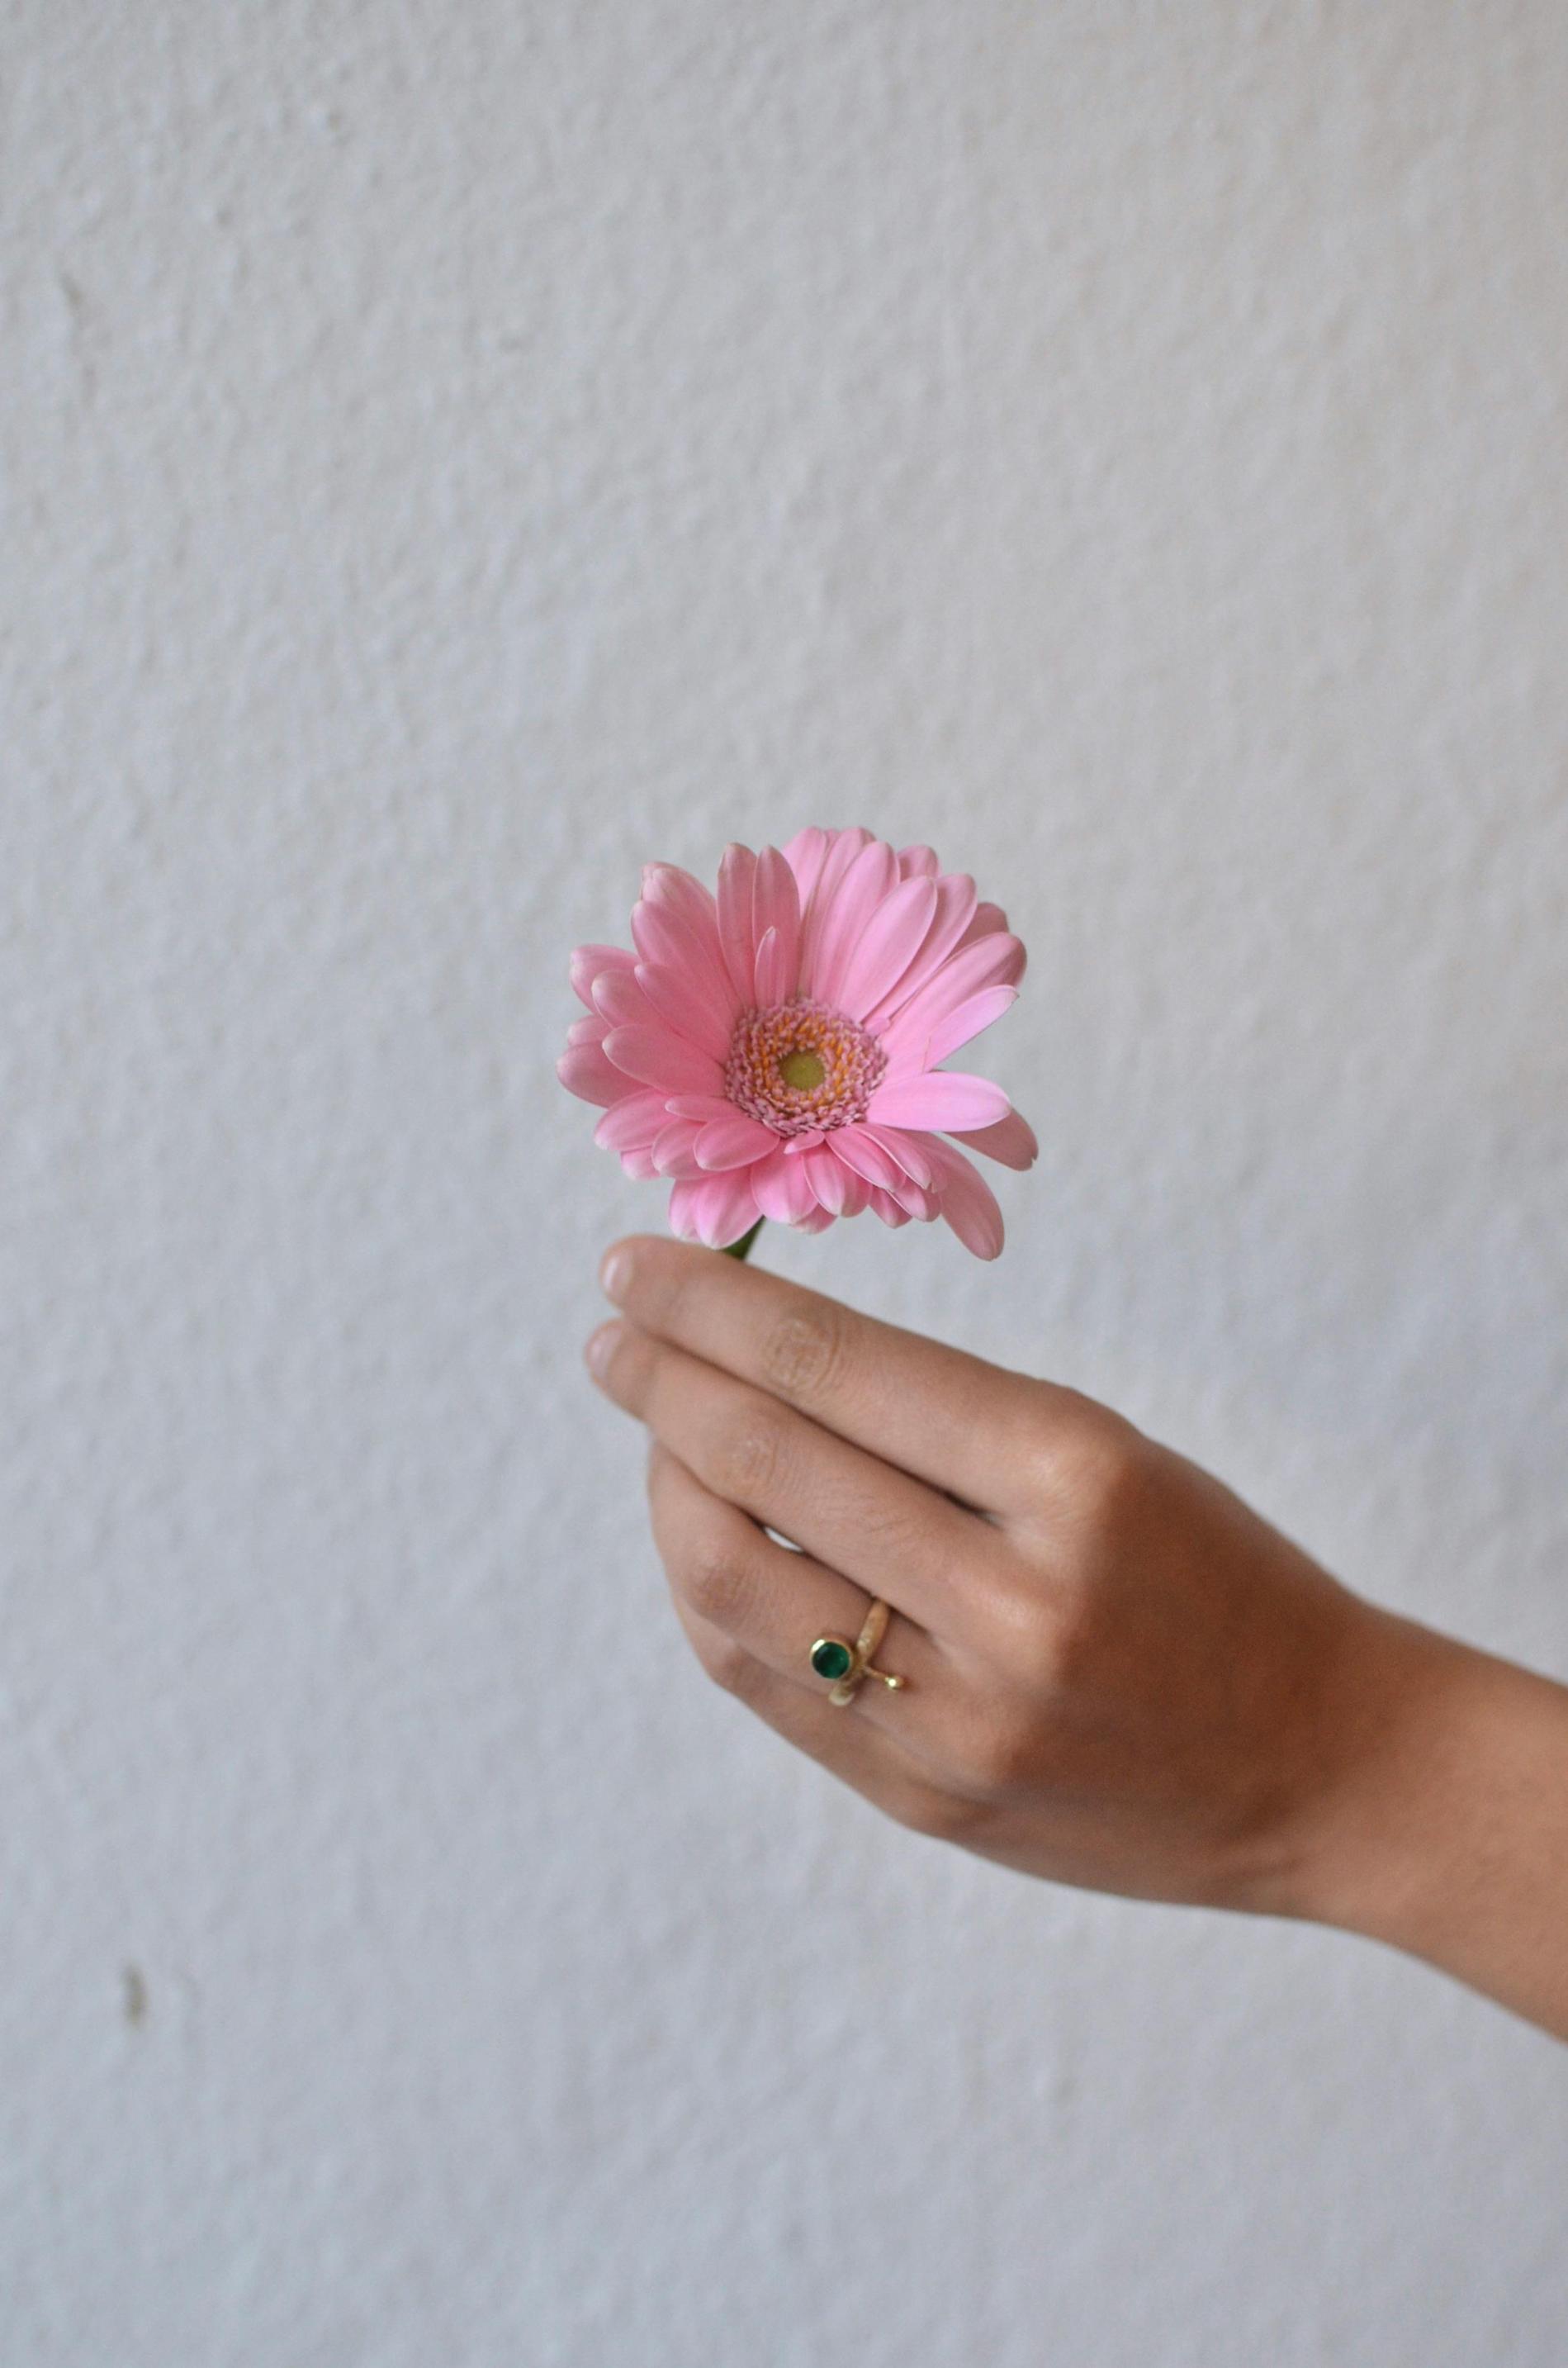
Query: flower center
802	1067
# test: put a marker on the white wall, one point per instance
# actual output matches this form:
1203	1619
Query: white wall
453	454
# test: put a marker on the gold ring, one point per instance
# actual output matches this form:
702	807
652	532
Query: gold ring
846	1664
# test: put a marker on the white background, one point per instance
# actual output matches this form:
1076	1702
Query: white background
454	454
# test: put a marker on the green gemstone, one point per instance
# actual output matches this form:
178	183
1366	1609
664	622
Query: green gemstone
832	1659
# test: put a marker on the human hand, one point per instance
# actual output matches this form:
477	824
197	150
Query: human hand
1117	1675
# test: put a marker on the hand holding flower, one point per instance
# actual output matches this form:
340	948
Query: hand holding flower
1117	1675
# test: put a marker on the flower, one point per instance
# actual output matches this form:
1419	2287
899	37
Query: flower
776	1050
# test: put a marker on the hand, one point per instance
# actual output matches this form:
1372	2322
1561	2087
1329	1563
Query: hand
1117	1675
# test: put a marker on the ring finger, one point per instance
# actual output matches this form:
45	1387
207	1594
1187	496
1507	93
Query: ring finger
774	1603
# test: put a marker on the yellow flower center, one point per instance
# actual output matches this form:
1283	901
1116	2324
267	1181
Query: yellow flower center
801	1067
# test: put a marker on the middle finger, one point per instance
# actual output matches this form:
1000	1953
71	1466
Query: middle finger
920	1553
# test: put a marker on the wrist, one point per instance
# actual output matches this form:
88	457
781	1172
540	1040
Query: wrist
1440	1826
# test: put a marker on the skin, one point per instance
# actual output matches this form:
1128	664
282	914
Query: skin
1117	1675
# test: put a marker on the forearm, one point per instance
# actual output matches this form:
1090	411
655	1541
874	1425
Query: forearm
1448	1835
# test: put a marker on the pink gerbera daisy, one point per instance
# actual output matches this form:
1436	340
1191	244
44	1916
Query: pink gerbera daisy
776	1050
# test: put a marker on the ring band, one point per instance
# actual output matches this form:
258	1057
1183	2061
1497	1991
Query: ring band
846	1664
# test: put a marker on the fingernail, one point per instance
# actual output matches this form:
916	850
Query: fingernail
597	1354
615	1274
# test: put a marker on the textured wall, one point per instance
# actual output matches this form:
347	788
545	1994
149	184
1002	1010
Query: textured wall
452	454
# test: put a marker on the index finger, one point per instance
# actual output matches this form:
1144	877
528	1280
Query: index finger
968	1427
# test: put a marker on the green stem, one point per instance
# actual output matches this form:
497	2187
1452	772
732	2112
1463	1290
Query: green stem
743	1247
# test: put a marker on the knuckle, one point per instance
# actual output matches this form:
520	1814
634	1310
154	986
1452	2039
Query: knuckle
998	1759
943	1817
751	1451
1083	1461
805	1350
718	1586
733	1670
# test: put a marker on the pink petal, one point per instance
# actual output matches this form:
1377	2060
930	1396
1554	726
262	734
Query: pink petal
816	1221
734	1142
995	959
961	1026
657	1056
620	1002
663	936
591	1030
589	961
667	884
673	997
673	1149
871	876
783	1189
1012	1140
776	906
717	1210
639	1164
988	919
906	1151
967	1202
955	909
737	938
584	1071
889	942
843	848
947	1098
631	1123
915	1200
838	1187
775	977
805	854
887	1208
700	1106
860	1149
917	863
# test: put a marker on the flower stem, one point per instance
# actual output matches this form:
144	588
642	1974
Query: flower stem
743	1247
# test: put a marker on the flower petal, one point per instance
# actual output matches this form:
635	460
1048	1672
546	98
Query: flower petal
639	1164
663	934
873	875
969	1204
583	1070
774	979
955	910
783	1189
889	942
700	1106
680	893
717	1210
887	1208
947	1098
816	1221
805	854
631	1123
589	961
657	1056
676	998
734	1142
1012	1140
843	848
838	1187
776	906
917	862
906	1151
961	1026
737	938
620	1002
860	1150
995	959
674	1148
